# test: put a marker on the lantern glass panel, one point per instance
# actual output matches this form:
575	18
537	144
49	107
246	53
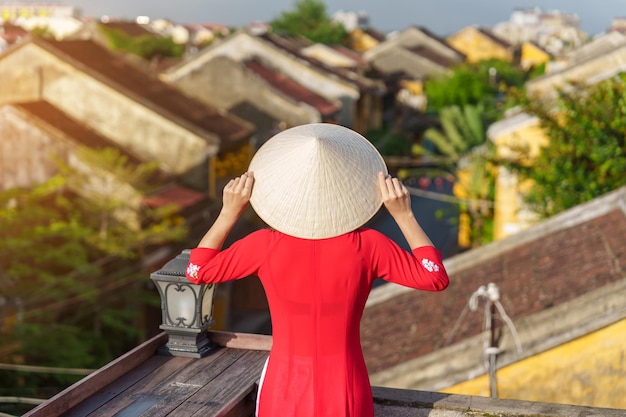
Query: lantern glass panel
181	304
207	303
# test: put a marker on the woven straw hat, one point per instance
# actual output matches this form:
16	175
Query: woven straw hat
316	181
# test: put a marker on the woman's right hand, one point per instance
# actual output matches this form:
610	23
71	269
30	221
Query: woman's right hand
395	195
397	200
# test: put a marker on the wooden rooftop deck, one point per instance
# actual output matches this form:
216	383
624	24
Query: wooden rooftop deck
224	383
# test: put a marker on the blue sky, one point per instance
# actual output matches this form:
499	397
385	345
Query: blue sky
443	17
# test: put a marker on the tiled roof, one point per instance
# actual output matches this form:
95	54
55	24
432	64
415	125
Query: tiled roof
12	33
57	119
433	56
437	38
488	33
291	88
345	75
174	194
554	262
379	36
148	89
353	55
251	113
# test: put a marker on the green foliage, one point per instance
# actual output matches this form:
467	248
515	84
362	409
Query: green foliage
310	19
461	130
390	142
41	243
483	83
68	269
113	186
462	143
586	153
145	46
42	31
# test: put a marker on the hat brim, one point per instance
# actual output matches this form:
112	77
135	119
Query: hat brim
316	181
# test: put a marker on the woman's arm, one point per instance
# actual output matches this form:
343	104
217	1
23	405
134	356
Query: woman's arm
236	197
397	200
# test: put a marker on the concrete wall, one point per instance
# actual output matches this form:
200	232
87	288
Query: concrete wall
532	55
478	47
521	135
25	151
587	371
27	157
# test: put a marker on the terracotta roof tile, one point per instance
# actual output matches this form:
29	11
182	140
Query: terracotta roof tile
432	56
488	33
291	88
12	33
161	97
174	194
532	276
348	76
52	116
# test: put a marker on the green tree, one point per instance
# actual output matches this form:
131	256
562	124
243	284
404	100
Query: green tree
586	153
310	19
484	83
461	147
69	271
113	187
145	46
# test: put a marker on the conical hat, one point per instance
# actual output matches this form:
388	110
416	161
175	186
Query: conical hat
316	181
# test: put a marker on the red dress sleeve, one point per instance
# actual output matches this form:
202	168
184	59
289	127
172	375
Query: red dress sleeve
422	268
243	258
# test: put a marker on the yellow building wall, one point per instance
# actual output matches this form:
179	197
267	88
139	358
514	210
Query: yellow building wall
478	47
508	217
361	41
532	56
463	178
589	371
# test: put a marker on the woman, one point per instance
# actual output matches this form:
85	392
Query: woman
316	186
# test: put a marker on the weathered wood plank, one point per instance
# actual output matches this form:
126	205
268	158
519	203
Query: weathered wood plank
90	404
246	341
183	391
168	383
227	390
245	407
94	382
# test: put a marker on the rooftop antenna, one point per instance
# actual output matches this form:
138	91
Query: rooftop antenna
491	295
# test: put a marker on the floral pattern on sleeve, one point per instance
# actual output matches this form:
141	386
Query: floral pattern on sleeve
430	265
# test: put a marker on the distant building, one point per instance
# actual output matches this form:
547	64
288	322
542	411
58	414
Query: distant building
555	31
352	20
481	44
14	10
618	25
57	19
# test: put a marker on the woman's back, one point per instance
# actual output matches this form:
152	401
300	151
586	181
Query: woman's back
316	290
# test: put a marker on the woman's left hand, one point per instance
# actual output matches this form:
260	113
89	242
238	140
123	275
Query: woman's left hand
236	195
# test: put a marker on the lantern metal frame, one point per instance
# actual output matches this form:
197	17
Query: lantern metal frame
186	309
